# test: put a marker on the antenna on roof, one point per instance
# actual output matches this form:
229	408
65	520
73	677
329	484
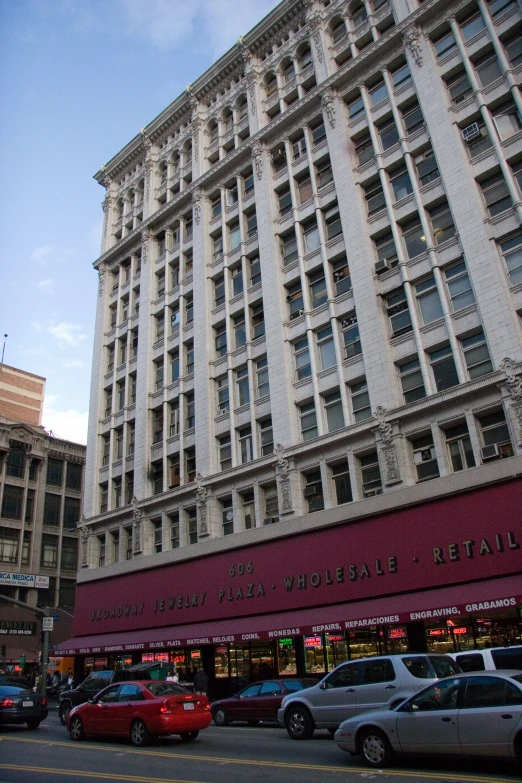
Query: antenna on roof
3	348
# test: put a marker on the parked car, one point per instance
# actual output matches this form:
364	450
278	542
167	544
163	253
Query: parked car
141	710
92	685
358	686
14	679
474	714
257	701
490	658
19	704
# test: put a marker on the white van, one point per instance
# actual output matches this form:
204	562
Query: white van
489	658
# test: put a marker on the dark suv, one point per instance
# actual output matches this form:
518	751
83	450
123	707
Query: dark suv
92	685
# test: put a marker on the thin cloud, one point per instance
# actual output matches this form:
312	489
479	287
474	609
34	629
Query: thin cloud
67	424
67	334
46	285
37	326
41	254
73	363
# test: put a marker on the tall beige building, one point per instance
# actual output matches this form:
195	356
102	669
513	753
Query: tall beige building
309	321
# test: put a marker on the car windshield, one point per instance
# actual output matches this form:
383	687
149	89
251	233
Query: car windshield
12	690
160	688
299	685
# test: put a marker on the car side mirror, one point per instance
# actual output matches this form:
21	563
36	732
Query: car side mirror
322	685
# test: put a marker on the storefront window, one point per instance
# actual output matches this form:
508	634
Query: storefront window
240	664
221	661
396	639
262	661
363	644
336	650
286	656
314	654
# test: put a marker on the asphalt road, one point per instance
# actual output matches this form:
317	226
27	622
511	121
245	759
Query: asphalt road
232	754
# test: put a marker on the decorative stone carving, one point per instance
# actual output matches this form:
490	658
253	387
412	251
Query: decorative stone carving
257	155
201	495
102	272
412	41
286	495
145	237
201	491
513	382
192	98
147	168
282	464
515	411
251	87
195	127
106	206
328	104
137	516
196	205
385	428
147	143
203	525
84	540
389	457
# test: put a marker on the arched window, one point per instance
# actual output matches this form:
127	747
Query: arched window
213	130
228	119
270	84
305	57
242	107
288	71
338	29
358	14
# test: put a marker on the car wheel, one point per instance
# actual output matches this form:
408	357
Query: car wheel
299	723
221	717
189	736
374	748
76	729
33	723
253	722
139	734
65	709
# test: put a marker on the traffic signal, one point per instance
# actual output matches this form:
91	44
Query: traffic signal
3	651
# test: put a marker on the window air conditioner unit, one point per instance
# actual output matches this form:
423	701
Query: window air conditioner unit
490	452
470	131
310	491
382	266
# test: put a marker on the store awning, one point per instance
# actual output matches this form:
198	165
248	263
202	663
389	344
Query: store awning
440	604
13	654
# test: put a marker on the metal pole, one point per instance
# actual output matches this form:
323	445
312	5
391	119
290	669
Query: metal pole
45	654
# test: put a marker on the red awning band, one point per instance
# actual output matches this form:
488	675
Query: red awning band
441	604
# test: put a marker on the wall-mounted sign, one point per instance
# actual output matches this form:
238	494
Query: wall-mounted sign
17	627
397	633
24	580
313	641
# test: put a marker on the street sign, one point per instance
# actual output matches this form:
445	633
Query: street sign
56	617
47	623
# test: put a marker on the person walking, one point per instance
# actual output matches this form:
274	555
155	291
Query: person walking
201	682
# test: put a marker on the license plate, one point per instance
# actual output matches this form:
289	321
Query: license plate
28	703
188	706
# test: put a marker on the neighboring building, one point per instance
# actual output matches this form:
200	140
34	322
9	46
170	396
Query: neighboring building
318	245
21	395
40	505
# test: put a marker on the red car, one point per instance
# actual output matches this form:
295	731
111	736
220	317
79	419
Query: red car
141	710
258	701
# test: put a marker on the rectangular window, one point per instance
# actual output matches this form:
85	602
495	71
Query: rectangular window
234	235
324	173
157	425
157	533
245	445
174	471
73	476
157	477
237	280
507	120
424	458
227	516
325	343
106	449
398	313
242	385
318	292
158	374
304	188
15	464
386	251
411	381
429	300
334	411
285	201
249	510
189	357
308	421
401	76
360	401
192	519
295	300
52	509
190	410
298	148
160	326
289	249
271	505
412	118
488	69
223	395
388	134
341	276
55	472
26	547
442	224
267	436
248	185
458	445
302	359
129	487
459	286
258	320
378	93
71	512
414	239
312	240
496	195
189	309
443	367
476	355
263	388
318	134
364	149
9	539
498	6
356	108
313	491
174	530
219	291
251	223
375	199
427	168
174	366
401	183
115	546
352	340
225	452
49	551
128	543
370	475
445	45
472	26
104	497
69	555
29	506
342	484
239	330
459	88
120	395
494	432
255	271
512	253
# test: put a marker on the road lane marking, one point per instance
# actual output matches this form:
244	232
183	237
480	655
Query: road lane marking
98	775
252	762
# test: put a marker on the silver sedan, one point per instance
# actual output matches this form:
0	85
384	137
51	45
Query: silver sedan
474	714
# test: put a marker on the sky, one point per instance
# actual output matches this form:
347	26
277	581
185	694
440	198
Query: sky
78	79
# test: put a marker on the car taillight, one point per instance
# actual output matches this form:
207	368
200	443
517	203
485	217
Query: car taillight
6	702
43	701
164	709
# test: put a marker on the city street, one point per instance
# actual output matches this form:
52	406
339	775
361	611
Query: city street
219	755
